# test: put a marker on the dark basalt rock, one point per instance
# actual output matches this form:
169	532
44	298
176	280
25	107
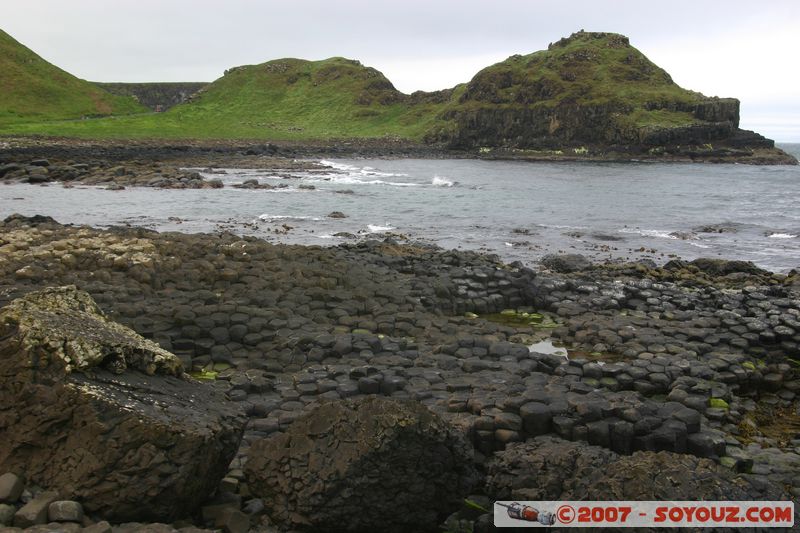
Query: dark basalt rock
690	361
718	267
156	96
16	220
93	411
362	465
565	263
546	468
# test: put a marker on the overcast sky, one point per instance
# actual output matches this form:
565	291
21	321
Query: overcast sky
744	49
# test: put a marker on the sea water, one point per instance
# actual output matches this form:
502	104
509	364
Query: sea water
518	210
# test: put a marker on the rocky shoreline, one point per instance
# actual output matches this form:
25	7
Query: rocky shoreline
692	365
258	154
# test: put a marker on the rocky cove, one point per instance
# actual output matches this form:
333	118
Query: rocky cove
332	384
287	193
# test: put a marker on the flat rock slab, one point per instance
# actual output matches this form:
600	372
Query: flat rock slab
35	511
122	431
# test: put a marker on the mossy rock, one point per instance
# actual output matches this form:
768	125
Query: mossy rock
718	403
205	375
609	383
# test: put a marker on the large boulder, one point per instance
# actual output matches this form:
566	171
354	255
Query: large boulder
95	412
370	464
565	263
548	468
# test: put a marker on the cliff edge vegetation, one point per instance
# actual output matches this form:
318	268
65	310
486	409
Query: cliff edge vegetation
587	94
33	90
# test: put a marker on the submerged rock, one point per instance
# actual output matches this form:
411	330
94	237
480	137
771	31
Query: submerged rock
91	410
371	464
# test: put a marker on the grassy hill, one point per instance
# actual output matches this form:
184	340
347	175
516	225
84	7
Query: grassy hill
585	68
592	87
31	89
589	87
297	99
284	99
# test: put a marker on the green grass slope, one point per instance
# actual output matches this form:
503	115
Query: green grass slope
31	89
297	99
584	69
284	99
589	87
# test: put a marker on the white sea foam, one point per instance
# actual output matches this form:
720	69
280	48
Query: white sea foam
650	233
266	217
697	244
353	180
782	236
278	190
441	181
363	171
558	226
374	228
337	166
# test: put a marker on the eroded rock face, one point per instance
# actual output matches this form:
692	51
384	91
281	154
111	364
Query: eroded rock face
91	410
371	464
547	468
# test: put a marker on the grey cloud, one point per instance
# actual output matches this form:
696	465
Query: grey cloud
174	40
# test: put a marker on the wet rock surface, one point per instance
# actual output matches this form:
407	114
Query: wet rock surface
91	410
363	465
685	363
115	165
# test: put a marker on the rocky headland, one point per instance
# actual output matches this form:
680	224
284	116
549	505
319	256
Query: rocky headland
593	95
590	96
573	381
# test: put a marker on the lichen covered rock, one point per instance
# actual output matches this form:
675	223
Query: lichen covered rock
92	411
64	326
371	464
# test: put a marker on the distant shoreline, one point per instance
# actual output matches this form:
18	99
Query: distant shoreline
14	148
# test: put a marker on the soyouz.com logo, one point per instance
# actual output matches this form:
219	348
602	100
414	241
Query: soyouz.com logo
644	514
